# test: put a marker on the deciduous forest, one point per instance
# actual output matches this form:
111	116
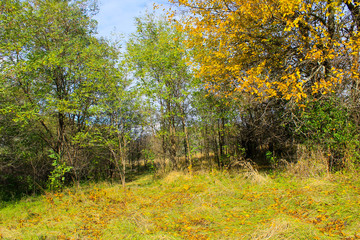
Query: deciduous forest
253	90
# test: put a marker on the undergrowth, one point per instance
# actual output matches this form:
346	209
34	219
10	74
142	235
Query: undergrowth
203	205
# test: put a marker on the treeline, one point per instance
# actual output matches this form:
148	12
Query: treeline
211	91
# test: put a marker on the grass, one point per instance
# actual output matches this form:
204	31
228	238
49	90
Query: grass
215	205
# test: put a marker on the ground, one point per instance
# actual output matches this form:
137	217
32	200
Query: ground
201	205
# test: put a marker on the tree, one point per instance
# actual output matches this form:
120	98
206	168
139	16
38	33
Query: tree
54	72
289	50
51	58
287	55
119	122
157	56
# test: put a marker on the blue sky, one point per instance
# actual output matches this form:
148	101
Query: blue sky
117	16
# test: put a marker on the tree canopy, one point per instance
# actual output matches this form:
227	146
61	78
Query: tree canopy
286	49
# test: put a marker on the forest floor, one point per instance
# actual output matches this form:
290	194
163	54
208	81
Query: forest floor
202	205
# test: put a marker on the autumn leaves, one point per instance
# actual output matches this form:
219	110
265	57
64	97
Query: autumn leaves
284	49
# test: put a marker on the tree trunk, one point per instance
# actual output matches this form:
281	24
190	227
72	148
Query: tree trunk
187	143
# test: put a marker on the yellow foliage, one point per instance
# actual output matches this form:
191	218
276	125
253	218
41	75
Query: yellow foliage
269	48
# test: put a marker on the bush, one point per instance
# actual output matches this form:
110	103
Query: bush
327	124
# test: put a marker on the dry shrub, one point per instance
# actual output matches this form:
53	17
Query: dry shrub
351	161
310	163
250	171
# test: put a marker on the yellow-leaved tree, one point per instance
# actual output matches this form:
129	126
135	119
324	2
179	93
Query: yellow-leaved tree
274	48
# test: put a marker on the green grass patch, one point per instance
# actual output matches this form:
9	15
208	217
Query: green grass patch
215	205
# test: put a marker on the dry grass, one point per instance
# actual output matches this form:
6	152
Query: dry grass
310	163
278	229
249	169
204	205
176	176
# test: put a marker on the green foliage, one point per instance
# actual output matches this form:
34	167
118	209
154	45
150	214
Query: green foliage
157	57
58	69
274	161
101	112
149	155
329	125
54	84
57	176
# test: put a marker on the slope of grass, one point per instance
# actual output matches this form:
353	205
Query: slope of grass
212	205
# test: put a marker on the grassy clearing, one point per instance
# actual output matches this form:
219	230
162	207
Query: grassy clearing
214	205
